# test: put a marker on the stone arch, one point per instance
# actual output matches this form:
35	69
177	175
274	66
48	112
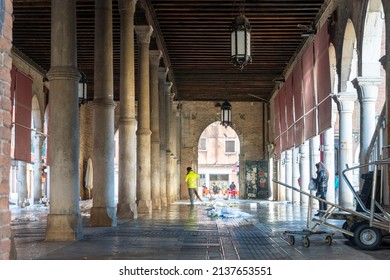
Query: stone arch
348	59
333	68
373	38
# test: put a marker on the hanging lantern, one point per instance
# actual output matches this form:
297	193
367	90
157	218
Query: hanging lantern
240	41
82	89
226	114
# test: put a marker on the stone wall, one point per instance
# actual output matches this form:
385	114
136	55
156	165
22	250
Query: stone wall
5	131
248	122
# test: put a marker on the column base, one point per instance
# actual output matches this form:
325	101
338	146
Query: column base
164	202
126	211
62	227
156	204
144	206
103	216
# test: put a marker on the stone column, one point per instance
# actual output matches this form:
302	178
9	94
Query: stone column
288	174
155	56
38	142
296	196
367	90
315	156
171	192
64	220
21	183
103	212
282	177
144	198
304	170
127	181
162	76
167	92
345	104
329	156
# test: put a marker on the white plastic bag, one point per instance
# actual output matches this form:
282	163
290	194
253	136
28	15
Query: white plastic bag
312	185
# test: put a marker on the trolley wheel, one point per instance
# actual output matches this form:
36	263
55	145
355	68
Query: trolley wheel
291	240
366	237
306	242
347	227
328	240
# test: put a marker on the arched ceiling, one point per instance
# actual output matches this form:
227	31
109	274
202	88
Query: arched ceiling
194	37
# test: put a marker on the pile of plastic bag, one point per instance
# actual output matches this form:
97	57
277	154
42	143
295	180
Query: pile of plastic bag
224	210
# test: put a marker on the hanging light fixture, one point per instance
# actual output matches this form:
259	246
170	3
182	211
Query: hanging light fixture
226	114
82	89
240	40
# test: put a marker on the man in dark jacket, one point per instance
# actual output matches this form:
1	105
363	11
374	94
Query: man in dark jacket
322	184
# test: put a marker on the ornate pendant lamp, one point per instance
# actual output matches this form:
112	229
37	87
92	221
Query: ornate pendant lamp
226	114
240	41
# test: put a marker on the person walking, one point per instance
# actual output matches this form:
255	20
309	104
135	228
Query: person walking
321	182
192	183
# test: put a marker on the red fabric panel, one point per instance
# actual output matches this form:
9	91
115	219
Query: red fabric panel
13	83
277	131
289	102
299	132
308	92
277	148
276	116
322	74
290	113
290	137
282	107
325	115
310	124
298	95
283	118
23	98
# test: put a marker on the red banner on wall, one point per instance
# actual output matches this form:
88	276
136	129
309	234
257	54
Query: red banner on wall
21	89
322	74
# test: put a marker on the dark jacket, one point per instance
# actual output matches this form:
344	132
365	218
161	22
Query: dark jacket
321	181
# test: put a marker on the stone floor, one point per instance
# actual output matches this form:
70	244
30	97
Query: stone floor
212	230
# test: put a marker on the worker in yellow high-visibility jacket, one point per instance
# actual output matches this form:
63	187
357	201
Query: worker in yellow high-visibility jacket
192	184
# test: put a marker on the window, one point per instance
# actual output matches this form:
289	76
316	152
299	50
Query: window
202	144
230	146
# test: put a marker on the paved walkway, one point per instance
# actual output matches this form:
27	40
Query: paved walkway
213	230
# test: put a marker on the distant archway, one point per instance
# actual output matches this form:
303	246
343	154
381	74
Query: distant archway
218	157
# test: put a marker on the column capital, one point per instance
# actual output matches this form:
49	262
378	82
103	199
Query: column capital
383	61
162	73
154	57
345	101
168	87
367	88
144	32
127	6
172	96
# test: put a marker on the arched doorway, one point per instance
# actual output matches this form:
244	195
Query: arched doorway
218	158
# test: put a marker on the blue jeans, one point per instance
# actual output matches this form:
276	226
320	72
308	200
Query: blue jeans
321	194
191	192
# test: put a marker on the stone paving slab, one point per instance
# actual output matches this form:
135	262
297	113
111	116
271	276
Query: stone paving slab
253	231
